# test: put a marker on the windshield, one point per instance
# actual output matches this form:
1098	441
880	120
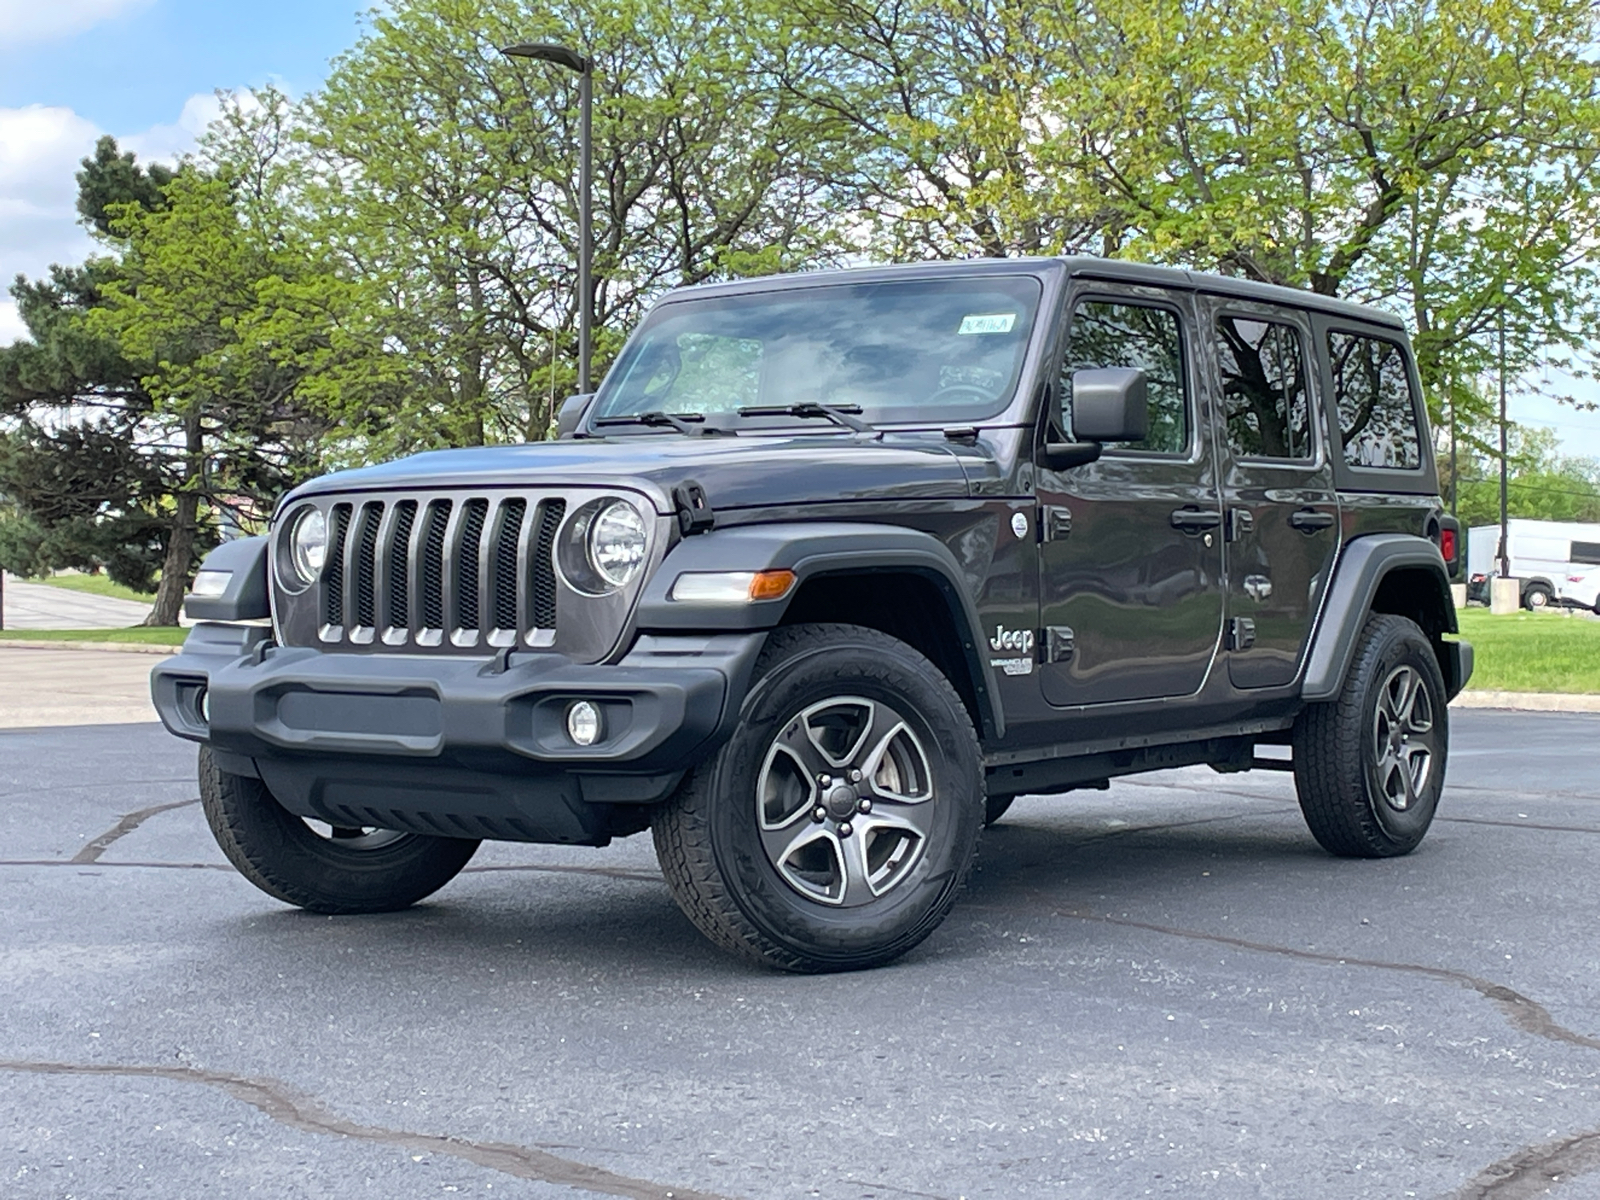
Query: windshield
935	350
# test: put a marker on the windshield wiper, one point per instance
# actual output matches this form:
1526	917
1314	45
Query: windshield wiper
690	423
839	414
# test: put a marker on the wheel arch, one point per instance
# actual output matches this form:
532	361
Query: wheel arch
1395	573
903	582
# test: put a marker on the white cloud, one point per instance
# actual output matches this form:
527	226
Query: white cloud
40	20
40	151
164	143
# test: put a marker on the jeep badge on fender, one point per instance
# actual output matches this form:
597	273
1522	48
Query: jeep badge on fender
775	595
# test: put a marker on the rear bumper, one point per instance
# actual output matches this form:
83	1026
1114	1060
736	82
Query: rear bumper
1455	665
464	747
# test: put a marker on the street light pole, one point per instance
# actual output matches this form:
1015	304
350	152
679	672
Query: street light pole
1505	545
565	56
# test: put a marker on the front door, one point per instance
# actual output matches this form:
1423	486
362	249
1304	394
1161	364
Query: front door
1131	553
1280	508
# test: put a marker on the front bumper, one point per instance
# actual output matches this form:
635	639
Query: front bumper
463	747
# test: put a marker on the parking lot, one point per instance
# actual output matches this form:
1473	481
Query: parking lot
1165	989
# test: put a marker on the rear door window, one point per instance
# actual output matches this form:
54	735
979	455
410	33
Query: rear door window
1264	388
1376	407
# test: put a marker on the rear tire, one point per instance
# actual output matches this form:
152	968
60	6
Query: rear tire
352	871
835	827
1369	766
1536	598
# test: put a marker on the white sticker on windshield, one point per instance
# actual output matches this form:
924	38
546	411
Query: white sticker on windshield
987	323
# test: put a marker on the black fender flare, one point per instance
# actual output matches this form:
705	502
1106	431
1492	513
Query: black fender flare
1358	572
244	593
810	549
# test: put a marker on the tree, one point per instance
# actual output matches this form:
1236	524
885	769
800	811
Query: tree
448	181
1542	483
1442	159
231	319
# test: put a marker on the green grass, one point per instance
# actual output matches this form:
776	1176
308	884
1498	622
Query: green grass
1532	652
95	585
156	635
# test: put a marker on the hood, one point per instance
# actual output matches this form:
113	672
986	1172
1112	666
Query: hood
736	472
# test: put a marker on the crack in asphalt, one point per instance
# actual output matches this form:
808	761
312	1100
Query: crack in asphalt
1534	1170
1522	1012
308	1115
94	849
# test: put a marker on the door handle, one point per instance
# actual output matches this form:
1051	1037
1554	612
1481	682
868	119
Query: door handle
1309	520
1193	520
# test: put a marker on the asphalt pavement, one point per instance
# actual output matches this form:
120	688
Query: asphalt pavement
1166	989
42	606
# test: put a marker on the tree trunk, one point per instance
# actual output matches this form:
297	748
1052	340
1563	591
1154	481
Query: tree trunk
185	527
175	567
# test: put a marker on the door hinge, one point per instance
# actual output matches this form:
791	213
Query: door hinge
1058	643
1240	522
1241	633
1055	523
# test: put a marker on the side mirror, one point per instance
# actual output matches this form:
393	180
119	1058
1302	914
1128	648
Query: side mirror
1110	404
571	414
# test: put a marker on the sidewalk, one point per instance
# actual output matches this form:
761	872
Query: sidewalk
73	687
40	606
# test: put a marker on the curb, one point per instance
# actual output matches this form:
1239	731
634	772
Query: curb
116	647
1529	701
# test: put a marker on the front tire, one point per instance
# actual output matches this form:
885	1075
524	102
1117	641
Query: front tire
834	829
345	871
1369	766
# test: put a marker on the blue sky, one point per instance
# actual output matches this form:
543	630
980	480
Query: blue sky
136	66
146	70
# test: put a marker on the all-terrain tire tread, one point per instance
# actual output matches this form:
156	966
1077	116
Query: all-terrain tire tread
683	837
1329	753
254	839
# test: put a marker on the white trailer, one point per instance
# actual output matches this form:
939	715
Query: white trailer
1542	553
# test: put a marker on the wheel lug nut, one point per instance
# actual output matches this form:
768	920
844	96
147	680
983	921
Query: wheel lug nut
855	776
844	829
825	780
819	813
864	805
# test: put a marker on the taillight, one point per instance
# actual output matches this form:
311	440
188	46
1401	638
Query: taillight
1447	544
1479	578
1574	578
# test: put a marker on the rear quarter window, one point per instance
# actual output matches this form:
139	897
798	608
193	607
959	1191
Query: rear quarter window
1377	410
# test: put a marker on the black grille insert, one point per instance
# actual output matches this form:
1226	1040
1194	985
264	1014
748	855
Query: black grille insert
468	549
400	564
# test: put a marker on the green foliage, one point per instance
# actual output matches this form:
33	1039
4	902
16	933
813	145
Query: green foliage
138	635
1541	482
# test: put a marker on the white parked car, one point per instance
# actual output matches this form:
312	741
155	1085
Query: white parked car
1581	589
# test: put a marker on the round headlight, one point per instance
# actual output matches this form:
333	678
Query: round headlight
308	544
617	541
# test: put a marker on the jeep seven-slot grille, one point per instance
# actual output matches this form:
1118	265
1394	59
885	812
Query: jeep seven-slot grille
395	571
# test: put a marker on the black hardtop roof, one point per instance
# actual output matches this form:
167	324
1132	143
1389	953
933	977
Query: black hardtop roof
1082	266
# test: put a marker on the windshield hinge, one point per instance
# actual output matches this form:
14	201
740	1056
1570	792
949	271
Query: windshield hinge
694	509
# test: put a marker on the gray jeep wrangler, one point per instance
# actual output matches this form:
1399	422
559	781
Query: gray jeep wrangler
831	568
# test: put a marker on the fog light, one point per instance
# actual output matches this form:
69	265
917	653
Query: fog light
583	723
204	704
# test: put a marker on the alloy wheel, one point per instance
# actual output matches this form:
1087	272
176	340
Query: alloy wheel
845	801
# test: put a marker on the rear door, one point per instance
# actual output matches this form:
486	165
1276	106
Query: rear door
1131	546
1280	508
